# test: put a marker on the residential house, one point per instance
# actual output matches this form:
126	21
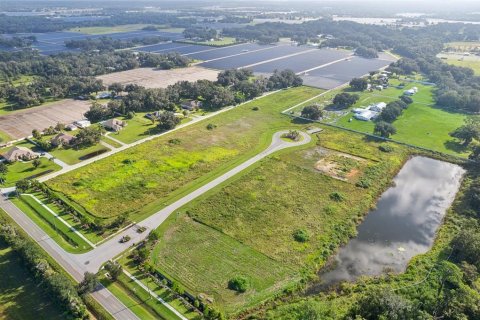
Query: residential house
366	115
114	124
19	153
191	105
153	115
71	127
378	107
62	139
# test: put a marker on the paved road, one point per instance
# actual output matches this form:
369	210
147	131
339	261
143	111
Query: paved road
77	264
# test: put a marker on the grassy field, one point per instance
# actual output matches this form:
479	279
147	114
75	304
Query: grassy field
137	128
23	170
247	226
73	156
111	142
464	46
189	260
58	231
225	41
460	59
21	298
144	178
4	137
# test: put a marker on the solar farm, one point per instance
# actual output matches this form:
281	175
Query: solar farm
321	68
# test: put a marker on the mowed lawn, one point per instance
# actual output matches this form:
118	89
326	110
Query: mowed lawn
246	228
22	297
142	179
421	125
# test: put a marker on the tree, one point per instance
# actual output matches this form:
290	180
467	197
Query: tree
384	304
301	235
365	52
312	112
97	112
384	129
344	100
238	283
359	84
36	163
22	185
88	137
59	127
114	269
115	88
469	131
88	284
3	168
36	134
167	121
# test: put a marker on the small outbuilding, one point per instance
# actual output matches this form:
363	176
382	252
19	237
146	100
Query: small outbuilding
19	153
82	124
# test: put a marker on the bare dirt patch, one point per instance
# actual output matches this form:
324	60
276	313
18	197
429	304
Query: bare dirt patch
21	124
154	78
340	166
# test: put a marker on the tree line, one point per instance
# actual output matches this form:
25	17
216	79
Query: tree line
232	87
70	74
110	44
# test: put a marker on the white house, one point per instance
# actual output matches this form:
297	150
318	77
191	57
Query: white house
378	107
82	123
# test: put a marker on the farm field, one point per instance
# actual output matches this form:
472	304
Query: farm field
225	41
152	78
20	124
460	60
142	179
296	189
106	30
21	298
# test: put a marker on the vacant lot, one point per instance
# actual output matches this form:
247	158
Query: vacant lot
257	215
21	298
216	260
154	78
142	179
21	124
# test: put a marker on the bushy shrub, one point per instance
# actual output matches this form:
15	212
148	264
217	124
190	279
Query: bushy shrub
301	235
238	283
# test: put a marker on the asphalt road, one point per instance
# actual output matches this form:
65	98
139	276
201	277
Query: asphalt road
77	264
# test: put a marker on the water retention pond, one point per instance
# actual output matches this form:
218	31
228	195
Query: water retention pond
403	224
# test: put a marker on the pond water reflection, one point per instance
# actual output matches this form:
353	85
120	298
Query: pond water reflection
404	223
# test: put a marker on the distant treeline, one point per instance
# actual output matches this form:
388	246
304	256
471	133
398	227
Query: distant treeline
108	43
69	74
31	24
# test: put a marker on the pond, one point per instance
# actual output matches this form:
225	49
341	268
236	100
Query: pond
403	224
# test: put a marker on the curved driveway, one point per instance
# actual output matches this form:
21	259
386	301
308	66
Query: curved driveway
77	264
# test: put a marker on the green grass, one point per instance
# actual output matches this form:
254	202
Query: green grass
66	238
137	128
88	233
472	64
188	251
144	178
225	41
23	170
4	137
22	297
245	227
421	124
111	142
105	30
129	264
137	299
73	156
